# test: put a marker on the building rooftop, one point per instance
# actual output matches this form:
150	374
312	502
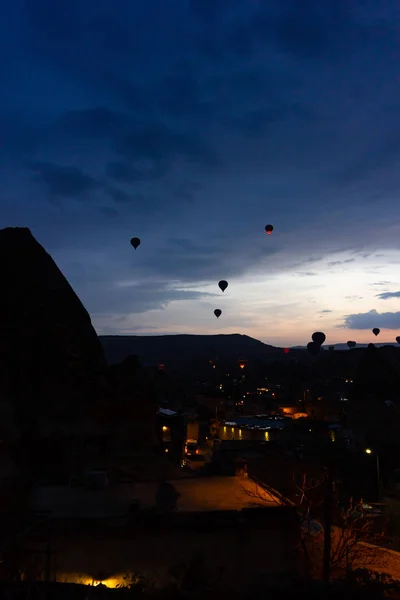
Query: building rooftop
258	422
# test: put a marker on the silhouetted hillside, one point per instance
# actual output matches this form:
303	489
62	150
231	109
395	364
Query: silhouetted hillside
175	350
190	354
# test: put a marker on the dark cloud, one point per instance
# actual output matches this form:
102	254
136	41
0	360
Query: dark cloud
388	295
142	204
134	98
208	10
18	135
63	180
98	122
181	259
256	122
149	147
181	95
158	143
306	274
126	173
306	261
325	311
379	283
108	211
305	30
132	298
337	263
122	197
384	153
372	319
187	190
311	30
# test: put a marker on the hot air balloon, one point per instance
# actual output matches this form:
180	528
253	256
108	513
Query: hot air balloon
217	313
242	362
398	339
351	344
318	337
222	285
269	229
313	348
135	241
286	350
376	331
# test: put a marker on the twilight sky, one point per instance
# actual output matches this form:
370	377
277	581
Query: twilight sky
192	124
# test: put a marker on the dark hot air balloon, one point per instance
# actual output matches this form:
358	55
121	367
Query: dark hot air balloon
242	362
217	313
222	285
269	229
318	337
286	350
313	348
135	241
398	339
376	331
351	344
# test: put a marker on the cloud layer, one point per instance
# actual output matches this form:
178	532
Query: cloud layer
192	124
371	319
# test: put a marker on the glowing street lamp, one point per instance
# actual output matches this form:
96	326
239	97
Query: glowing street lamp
369	451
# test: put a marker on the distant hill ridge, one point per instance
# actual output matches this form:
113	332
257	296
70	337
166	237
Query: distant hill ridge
154	349
169	348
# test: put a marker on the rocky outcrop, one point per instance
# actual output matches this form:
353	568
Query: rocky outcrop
51	360
135	401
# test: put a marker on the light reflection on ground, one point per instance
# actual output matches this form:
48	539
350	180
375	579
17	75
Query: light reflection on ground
82	579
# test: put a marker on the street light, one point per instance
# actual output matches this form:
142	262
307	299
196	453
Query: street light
369	451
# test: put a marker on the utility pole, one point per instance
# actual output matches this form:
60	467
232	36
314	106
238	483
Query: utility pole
327	526
378	470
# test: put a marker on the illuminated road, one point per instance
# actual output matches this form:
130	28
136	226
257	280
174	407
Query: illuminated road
196	494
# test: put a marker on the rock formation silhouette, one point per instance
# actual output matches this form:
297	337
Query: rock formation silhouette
54	375
51	360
